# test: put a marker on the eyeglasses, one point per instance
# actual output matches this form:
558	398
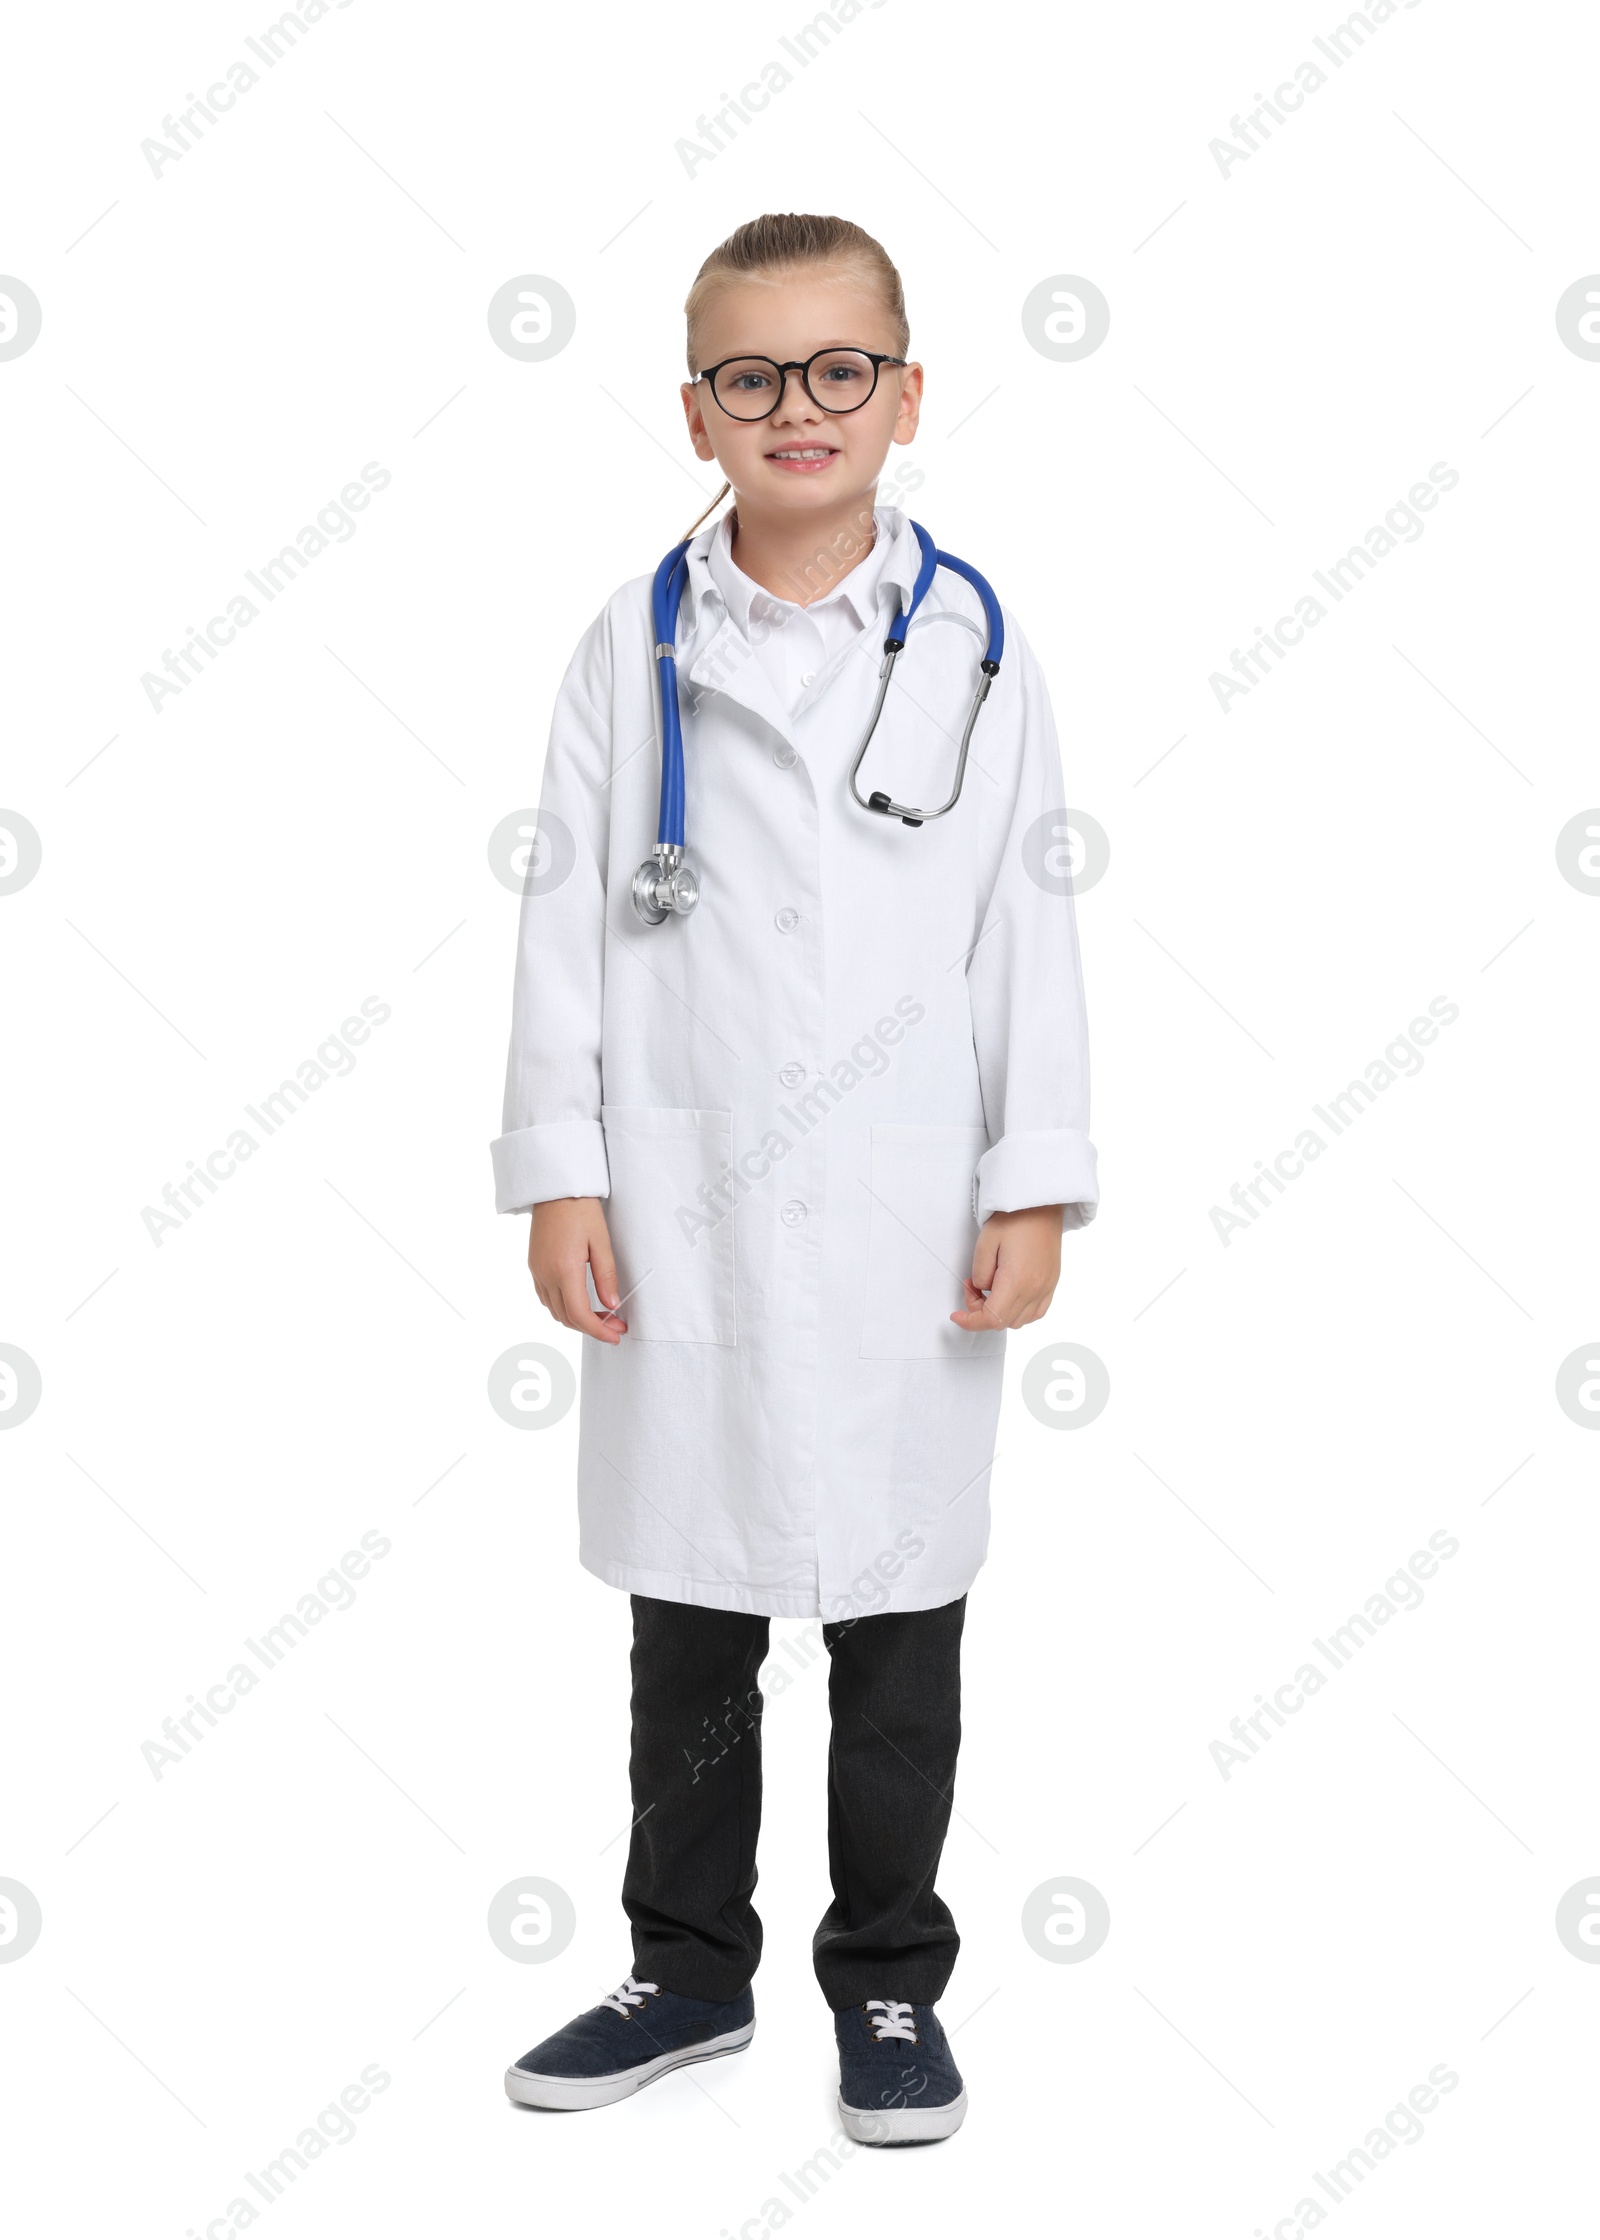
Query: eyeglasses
752	388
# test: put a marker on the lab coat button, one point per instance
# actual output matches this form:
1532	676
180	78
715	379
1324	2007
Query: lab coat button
785	757
792	1075
808	676
786	920
794	1213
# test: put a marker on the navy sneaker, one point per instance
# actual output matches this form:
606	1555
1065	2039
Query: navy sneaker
636	2034
898	2082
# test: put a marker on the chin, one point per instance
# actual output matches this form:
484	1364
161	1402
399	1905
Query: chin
825	488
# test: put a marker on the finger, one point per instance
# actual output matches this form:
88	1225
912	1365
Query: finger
604	1277
999	1310
605	1271
559	1295
980	1313
581	1316
985	1258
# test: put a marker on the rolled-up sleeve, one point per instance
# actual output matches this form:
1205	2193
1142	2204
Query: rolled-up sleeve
551	1143
1025	983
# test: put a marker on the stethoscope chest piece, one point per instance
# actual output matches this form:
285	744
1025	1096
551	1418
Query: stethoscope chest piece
664	886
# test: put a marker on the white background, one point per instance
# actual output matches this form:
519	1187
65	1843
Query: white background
305	1358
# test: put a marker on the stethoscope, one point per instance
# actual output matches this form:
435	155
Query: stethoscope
664	884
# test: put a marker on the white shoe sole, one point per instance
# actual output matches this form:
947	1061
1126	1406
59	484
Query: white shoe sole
903	2127
530	2091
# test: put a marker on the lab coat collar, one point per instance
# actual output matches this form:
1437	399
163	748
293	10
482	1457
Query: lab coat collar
718	655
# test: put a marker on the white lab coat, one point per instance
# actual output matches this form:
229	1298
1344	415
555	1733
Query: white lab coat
800	1101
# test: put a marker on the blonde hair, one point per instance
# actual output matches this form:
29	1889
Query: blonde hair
777	245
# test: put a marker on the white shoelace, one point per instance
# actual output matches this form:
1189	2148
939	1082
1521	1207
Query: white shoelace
893	2020
628	1994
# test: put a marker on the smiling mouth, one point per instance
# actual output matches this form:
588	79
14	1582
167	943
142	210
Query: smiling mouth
806	451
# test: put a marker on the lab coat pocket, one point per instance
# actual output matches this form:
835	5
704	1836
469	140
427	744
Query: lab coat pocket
674	1272
920	1243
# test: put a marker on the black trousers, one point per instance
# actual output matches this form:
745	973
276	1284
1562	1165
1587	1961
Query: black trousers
894	1692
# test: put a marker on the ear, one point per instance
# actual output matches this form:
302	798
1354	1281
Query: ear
696	419
910	412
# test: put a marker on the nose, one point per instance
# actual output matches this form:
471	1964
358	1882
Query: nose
799	397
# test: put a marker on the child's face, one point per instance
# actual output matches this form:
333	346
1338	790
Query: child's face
784	318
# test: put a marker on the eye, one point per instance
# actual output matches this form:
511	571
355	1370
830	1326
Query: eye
840	370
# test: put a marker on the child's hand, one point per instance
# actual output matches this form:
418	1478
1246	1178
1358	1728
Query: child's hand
569	1236
1017	1261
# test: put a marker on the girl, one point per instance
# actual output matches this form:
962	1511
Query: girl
796	1161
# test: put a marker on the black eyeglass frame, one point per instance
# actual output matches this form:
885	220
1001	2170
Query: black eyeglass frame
877	359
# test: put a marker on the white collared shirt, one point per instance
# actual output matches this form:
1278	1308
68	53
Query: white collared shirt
795	644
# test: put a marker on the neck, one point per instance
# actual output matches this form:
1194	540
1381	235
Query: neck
803	560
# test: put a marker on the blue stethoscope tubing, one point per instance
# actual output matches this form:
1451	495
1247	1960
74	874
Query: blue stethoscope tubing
665	884
665	595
